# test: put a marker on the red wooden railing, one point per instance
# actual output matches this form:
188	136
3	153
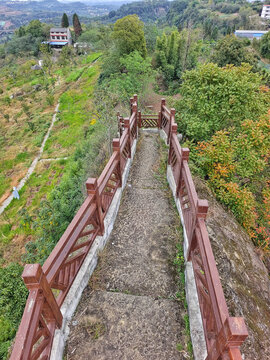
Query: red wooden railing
48	285
223	334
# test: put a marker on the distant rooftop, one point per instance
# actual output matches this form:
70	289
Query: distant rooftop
251	34
251	31
59	29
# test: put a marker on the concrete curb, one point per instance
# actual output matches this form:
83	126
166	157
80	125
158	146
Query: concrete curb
194	313
74	295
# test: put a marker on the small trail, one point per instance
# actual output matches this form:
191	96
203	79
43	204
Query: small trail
130	310
34	163
53	159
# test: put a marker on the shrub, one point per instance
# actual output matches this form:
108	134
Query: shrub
216	98
13	295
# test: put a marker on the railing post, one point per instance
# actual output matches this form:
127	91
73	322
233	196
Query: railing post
127	126
159	120
135	110
201	213
92	189
130	104
135	99
231	336
171	122
163	103
116	147
140	119
174	131
34	278
184	157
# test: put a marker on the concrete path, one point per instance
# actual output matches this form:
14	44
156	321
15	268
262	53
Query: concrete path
129	309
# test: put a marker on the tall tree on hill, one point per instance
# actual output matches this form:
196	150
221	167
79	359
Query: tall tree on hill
64	21
77	25
129	35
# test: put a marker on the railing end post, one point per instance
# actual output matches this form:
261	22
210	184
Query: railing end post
185	154
126	122
202	208
116	144
174	128
32	275
91	186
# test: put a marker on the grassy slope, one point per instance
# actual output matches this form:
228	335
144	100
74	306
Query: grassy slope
73	123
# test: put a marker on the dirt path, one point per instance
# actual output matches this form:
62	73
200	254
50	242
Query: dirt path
34	163
129	309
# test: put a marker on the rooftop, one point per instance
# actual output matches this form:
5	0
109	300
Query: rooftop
59	29
251	31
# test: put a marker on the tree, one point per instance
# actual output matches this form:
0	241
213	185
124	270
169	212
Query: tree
215	98
129	35
64	21
136	74
176	53
77	25
265	45
231	50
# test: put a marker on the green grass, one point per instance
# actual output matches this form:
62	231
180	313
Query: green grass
74	118
69	130
41	183
91	58
74	76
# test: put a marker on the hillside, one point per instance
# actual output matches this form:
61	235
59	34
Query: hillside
219	85
146	10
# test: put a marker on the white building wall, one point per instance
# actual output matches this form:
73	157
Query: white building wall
266	12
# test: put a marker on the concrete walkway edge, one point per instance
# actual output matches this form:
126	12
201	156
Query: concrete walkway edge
195	319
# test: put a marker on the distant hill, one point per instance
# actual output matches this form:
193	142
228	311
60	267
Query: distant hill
146	10
49	5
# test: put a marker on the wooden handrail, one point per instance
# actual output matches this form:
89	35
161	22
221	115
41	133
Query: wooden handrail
42	311
107	172
62	248
223	334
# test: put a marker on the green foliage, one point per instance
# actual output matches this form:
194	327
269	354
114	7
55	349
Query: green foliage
232	50
50	99
27	39
147	11
64	21
92	57
74	75
56	213
216	18
176	53
265	45
235	163
129	36
13	294
97	36
136	73
215	98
